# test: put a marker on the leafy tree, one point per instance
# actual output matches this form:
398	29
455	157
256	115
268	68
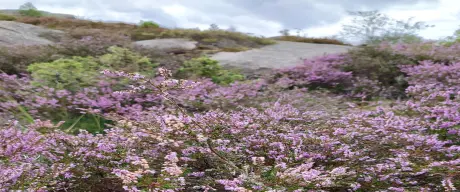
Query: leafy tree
285	32
28	9
148	24
214	27
455	38
374	27
27	6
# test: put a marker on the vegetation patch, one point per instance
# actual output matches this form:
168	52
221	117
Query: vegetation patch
310	40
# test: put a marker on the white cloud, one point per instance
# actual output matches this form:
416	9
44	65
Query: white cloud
316	18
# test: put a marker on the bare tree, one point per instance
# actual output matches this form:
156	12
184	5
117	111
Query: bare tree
373	27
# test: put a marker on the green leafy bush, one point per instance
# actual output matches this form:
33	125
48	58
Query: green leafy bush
209	68
149	24
4	17
451	40
379	65
77	72
125	60
31	13
70	74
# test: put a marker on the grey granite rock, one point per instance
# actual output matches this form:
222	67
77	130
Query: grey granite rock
15	33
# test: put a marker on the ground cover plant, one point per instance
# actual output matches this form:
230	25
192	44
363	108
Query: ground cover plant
94	114
135	132
310	40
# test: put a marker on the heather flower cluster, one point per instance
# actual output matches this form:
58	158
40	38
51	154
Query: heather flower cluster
162	134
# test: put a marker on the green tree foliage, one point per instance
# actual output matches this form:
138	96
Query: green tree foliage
125	60
78	72
149	24
209	68
455	38
214	27
373	27
285	32
70	74
27	6
29	10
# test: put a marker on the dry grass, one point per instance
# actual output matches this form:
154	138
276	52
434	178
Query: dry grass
216	39
310	40
5	17
67	23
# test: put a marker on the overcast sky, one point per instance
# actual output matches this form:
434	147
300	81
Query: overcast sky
262	17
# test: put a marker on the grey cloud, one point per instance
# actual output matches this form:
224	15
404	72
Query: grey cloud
290	14
305	13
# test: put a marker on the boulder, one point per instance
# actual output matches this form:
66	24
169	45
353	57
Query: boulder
168	45
283	54
15	33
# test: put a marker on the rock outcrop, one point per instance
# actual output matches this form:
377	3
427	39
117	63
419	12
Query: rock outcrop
14	33
280	55
168	45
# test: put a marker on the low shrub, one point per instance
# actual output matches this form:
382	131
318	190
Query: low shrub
310	40
31	13
4	17
15	59
148	24
69	74
123	59
209	68
69	24
274	146
320	72
78	72
379	65
95	44
206	36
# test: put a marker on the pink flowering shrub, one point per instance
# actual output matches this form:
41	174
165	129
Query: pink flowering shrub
426	51
322	72
177	135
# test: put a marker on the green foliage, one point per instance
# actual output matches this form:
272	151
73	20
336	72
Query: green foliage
125	60
29	10
31	13
70	74
4	17
379	65
285	32
27	6
78	72
206	67
149	24
205	36
324	40
373	27
455	38
89	122
214	27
